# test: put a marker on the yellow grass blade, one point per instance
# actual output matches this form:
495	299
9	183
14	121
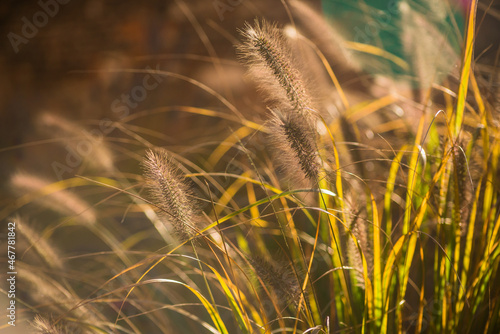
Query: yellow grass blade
466	66
376	51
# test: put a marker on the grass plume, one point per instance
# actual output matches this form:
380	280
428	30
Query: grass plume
41	245
170	193
88	144
293	139
53	197
281	279
270	64
42	325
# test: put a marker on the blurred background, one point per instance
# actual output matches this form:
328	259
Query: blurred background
80	58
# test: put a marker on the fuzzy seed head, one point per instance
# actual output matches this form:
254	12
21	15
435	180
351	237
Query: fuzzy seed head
359	229
42	325
462	186
40	244
46	290
270	65
280	278
96	153
170	193
460	168
295	139
63	201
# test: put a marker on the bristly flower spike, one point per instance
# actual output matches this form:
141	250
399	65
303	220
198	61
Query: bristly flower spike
294	138
170	193
270	64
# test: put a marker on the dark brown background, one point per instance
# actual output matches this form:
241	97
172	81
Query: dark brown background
65	68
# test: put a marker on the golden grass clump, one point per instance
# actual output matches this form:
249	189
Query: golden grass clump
383	226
